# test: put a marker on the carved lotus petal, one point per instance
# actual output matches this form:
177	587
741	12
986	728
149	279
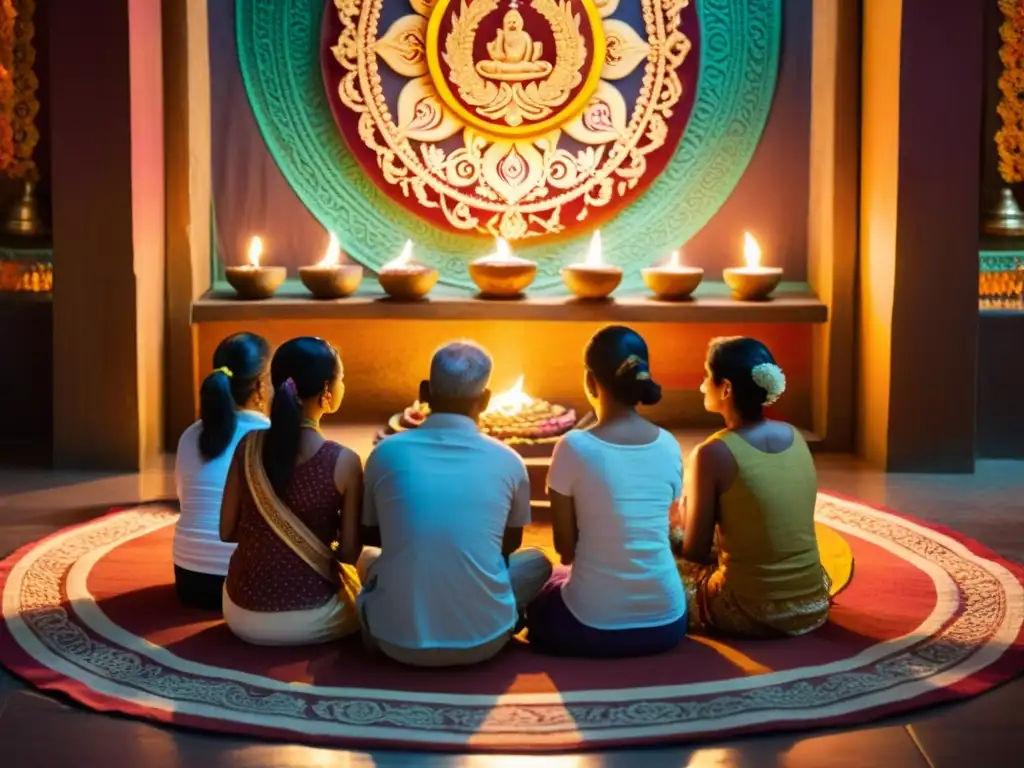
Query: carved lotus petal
424	7
513	169
602	120
403	47
422	116
625	50
604	7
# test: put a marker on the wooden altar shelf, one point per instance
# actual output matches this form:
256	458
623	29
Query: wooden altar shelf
792	303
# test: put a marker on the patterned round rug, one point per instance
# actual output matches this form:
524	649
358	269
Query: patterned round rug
928	616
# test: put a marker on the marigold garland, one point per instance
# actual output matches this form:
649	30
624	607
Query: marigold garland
7	17
1010	138
26	85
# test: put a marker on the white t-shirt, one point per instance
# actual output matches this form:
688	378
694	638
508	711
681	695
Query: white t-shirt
200	484
442	495
624	575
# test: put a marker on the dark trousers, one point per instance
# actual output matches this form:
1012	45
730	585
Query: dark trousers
199	590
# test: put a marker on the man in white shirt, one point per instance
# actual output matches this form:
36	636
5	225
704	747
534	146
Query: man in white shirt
449	505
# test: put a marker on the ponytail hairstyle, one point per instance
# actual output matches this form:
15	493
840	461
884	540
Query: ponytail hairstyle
618	359
302	369
239	363
749	366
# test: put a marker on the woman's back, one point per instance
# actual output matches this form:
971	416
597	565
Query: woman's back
200	486
623	574
767	545
265	573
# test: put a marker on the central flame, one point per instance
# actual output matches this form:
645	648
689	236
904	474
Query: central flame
333	254
403	260
751	251
511	401
255	251
594	252
675	261
501	249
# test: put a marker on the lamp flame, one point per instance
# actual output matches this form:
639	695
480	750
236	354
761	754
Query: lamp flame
751	251
511	401
675	261
255	251
594	252
332	256
501	249
403	259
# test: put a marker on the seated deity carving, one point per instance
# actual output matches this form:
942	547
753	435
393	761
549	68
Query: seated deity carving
515	56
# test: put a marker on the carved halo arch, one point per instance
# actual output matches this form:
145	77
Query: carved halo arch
279	45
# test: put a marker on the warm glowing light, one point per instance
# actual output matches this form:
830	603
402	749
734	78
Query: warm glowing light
511	401
333	254
675	261
255	251
594	252
751	251
403	260
501	249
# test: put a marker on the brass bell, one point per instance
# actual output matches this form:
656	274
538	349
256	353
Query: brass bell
1005	218
24	218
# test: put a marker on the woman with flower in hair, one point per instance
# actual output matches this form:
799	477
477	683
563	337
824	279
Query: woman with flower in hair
745	527
291	504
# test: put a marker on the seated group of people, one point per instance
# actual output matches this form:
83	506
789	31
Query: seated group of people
421	551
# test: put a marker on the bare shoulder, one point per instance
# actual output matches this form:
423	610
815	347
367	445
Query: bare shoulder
714	457
348	461
778	436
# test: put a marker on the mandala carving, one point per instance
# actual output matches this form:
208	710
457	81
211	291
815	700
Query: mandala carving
518	118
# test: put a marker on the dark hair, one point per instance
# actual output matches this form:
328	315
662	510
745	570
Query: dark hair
617	357
734	358
245	356
301	369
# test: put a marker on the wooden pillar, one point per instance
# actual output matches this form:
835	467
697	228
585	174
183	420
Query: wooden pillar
832	223
108	223
920	171
187	134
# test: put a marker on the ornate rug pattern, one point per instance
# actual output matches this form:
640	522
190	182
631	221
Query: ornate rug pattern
929	616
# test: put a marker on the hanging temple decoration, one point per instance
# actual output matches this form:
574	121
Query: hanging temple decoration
513	118
1010	138
19	84
7	16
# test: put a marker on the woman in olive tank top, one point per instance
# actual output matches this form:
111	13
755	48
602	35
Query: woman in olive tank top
746	525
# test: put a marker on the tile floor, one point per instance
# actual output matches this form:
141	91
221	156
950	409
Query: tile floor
988	731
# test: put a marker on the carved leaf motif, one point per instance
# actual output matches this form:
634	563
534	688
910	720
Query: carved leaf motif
604	118
403	47
513	169
424	7
625	50
421	115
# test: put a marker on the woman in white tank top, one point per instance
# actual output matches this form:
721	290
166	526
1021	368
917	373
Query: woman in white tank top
231	404
612	488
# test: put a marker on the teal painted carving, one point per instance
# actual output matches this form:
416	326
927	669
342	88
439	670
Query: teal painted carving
279	55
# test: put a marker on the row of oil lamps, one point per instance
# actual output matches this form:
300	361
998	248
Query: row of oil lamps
501	275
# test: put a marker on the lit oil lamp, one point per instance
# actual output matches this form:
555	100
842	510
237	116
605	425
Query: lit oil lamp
329	278
673	281
502	275
593	279
253	281
752	282
406	280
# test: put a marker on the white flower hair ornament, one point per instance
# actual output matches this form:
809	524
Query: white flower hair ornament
770	378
